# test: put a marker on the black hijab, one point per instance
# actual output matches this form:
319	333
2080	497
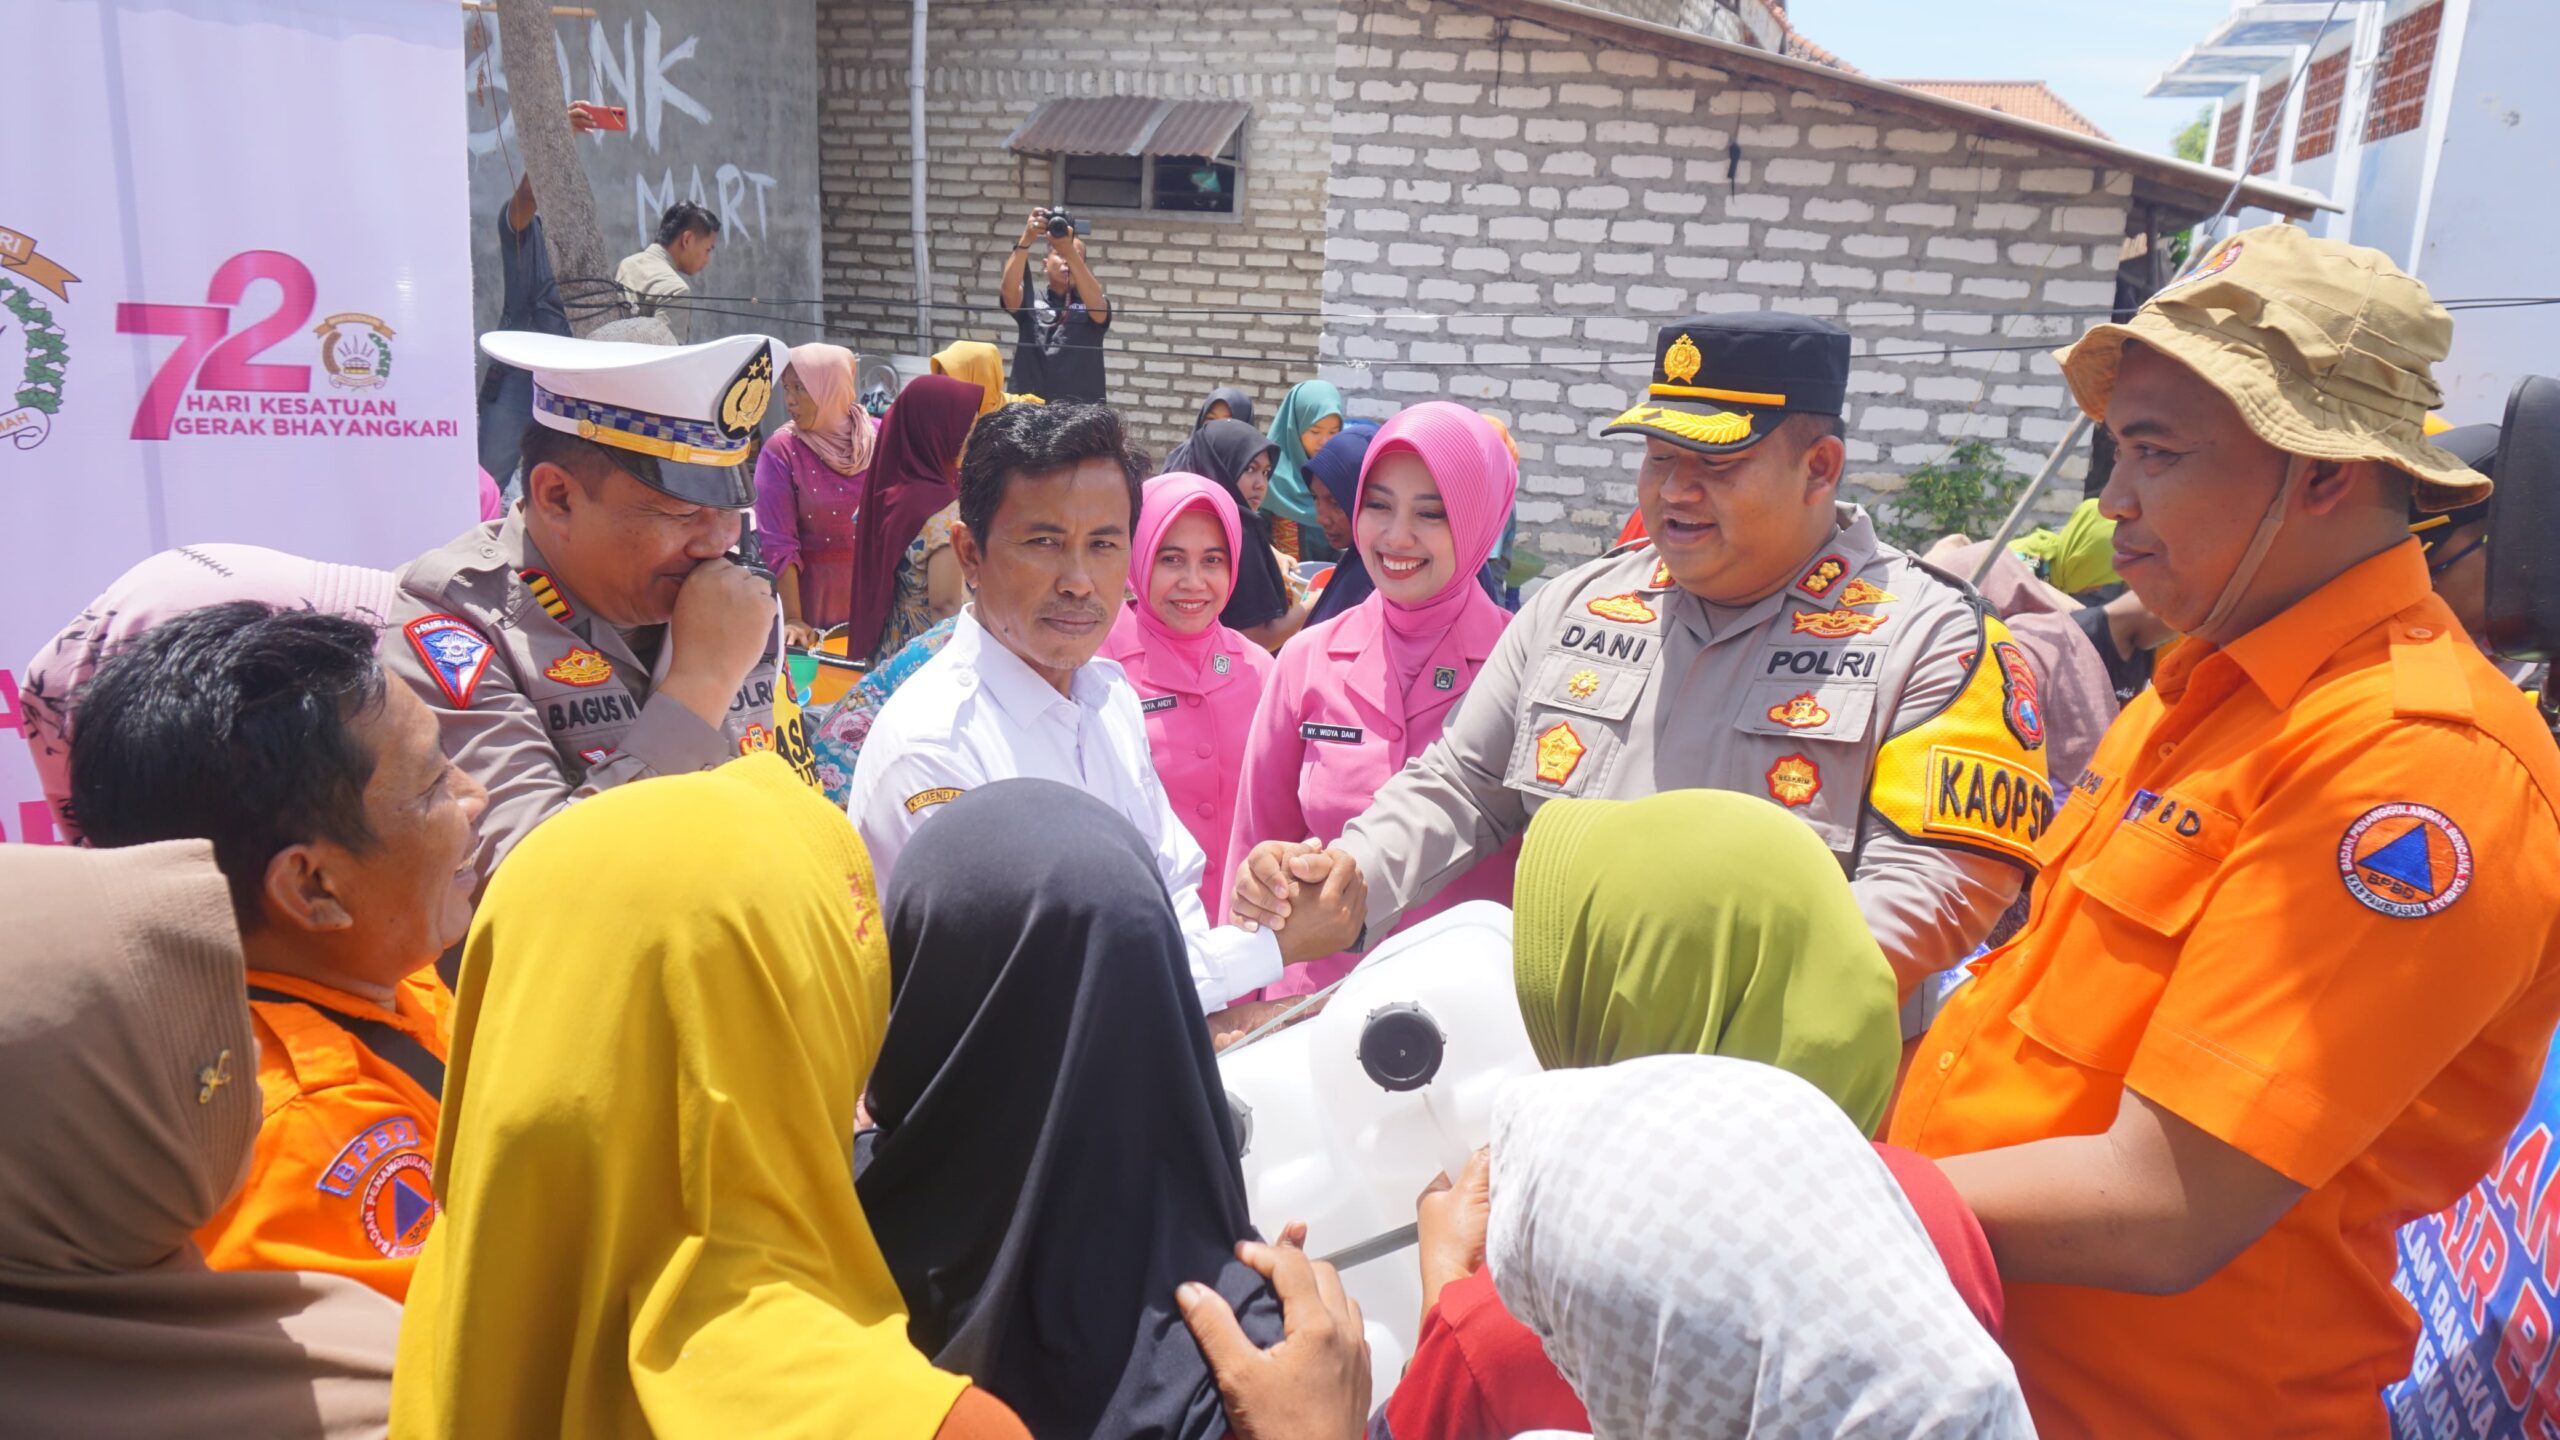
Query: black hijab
1221	450
1337	468
1055	1153
1239	405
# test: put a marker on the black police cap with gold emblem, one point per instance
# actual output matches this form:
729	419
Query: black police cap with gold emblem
1722	382
679	418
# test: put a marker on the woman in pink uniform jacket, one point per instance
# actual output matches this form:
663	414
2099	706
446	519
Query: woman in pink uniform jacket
1197	680
1353	698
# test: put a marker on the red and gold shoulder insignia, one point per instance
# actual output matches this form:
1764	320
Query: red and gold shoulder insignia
1826	573
1801	713
1836	624
1661	576
581	667
1627	609
546	594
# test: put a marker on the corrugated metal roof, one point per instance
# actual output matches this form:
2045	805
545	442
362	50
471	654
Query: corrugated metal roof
1128	125
1079	125
1197	127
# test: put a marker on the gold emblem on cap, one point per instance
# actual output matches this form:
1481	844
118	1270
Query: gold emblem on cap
1682	360
742	404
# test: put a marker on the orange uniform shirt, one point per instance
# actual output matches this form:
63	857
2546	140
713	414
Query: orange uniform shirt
2306	897
343	1177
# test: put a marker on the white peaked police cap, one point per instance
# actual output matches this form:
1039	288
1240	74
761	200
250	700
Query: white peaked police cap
679	418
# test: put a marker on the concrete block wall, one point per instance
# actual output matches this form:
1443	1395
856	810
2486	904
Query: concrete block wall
1524	230
990	66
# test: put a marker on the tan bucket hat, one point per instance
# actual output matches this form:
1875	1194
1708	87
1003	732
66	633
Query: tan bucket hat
2327	349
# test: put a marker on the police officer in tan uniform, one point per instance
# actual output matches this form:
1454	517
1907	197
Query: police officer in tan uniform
1762	639
602	632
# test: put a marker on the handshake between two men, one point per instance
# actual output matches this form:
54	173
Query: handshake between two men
1313	900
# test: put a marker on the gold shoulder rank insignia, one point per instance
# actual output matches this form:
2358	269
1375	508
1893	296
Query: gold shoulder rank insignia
1661	576
927	799
1826	572
1583	685
546	594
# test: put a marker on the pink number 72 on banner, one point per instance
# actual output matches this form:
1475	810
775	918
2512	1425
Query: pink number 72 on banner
200	329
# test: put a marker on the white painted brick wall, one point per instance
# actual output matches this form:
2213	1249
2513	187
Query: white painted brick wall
1543	218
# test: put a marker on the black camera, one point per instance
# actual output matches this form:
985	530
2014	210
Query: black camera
1061	224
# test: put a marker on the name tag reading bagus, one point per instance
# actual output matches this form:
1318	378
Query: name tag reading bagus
1337	734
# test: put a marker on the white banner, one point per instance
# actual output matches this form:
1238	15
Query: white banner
235	298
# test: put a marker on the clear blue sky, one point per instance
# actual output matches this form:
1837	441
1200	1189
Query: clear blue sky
2098	56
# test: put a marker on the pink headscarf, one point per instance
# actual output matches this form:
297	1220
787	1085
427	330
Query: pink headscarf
826	372
1167	498
493	505
1472	465
164	587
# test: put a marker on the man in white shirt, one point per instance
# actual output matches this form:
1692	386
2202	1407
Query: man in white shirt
1048	500
658	279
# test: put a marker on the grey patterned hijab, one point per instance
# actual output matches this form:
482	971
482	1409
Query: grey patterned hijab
1709	1248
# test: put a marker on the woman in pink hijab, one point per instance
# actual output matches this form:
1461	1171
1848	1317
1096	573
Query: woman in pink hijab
164	587
1197	680
1352	699
808	485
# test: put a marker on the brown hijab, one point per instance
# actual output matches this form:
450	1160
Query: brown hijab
126	1036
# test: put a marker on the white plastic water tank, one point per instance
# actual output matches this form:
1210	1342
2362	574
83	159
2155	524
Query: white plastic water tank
1349	1115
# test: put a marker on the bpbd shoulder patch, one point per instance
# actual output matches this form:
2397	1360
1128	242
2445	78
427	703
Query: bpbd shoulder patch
2405	860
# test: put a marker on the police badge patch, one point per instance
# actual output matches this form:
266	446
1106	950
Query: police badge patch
455	654
2018	694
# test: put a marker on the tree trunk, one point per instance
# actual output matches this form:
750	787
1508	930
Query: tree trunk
550	150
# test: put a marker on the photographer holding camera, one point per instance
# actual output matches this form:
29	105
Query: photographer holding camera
1059	353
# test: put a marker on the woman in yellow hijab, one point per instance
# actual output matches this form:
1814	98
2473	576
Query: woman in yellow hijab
982	365
670	999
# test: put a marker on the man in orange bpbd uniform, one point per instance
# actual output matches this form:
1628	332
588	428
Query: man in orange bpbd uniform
2294	959
346	836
